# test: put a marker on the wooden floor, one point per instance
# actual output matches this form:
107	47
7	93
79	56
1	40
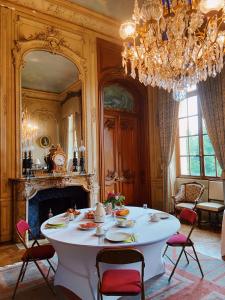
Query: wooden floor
206	242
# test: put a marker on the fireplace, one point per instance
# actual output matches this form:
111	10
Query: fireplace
33	197
58	199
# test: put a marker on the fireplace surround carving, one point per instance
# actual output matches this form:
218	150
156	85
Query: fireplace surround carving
24	189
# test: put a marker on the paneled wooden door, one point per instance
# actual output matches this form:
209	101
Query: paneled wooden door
121	154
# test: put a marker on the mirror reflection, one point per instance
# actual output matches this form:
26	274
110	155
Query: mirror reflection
51	107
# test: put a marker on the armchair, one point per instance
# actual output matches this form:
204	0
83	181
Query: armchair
188	196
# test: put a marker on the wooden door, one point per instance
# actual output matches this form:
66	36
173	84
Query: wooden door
121	155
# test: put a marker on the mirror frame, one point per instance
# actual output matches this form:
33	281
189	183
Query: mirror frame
21	49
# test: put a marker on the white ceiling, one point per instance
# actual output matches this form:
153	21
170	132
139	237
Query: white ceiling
118	9
48	72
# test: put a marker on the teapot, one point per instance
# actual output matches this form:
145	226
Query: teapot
99	213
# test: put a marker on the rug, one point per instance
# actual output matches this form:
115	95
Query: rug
186	284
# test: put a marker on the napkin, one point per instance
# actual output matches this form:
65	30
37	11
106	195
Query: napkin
131	239
49	226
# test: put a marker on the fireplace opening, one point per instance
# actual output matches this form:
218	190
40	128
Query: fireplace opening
59	200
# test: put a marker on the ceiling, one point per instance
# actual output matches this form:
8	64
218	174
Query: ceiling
48	72
118	9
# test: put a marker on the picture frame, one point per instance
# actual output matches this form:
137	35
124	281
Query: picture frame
44	141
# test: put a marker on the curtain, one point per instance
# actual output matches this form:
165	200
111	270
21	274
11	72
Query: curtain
168	121
212	98
64	134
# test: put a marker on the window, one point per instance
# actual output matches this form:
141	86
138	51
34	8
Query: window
194	148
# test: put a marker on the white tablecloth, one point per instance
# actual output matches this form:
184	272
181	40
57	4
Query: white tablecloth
77	249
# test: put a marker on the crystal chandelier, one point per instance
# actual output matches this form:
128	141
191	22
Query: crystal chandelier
29	130
174	44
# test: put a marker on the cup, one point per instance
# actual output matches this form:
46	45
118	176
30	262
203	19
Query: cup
145	205
99	230
154	218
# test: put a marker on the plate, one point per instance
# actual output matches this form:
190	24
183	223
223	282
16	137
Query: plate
56	222
88	226
163	215
117	236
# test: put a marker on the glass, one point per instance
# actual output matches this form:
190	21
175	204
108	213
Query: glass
184	165
145	206
193	125
184	146
194	145
183	109
192	106
210	166
208	147
195	165
183	127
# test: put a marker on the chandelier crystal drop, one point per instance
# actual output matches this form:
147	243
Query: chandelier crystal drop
174	44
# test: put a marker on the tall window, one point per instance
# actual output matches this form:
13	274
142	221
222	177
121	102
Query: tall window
195	151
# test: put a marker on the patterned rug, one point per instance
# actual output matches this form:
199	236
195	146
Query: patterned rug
186	284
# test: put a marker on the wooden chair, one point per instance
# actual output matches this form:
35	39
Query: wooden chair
120	282
33	254
183	241
188	196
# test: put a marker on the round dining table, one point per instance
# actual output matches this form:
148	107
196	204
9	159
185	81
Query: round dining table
77	249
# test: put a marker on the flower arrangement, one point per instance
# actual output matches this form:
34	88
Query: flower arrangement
114	199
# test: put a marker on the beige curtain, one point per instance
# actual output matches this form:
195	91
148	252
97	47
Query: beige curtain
168	121
212	97
64	134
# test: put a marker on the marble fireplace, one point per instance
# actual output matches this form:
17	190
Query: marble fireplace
33	197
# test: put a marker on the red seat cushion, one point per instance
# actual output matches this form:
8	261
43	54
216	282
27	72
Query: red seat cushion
178	239
121	282
39	252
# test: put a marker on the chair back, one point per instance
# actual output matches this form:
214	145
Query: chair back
119	256
189	216
22	227
193	191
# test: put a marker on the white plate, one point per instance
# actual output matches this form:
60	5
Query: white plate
56	221
117	236
163	215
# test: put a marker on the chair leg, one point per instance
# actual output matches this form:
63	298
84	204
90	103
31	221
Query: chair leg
53	269
18	280
143	292
186	256
24	271
176	264
165	250
43	275
198	261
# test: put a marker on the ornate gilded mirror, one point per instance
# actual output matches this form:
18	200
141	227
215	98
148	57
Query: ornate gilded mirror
51	106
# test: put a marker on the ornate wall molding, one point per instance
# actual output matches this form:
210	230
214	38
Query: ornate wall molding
73	13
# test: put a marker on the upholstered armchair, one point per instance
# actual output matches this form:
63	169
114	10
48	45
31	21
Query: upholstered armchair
188	196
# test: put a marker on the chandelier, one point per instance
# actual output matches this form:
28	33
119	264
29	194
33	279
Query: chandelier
29	130
174	44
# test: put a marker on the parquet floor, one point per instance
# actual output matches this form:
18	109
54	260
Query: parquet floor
206	242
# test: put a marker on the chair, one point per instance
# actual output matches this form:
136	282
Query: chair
188	196
120	282
183	241
33	254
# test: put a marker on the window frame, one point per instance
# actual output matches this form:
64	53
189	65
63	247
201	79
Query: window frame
201	146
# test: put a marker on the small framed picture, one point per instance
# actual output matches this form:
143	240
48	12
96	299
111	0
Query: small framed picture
44	141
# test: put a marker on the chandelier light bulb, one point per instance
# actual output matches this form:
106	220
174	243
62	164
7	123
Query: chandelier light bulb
209	5
127	29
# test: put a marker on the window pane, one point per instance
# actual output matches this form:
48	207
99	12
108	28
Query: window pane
183	146
193	125
194	145
184	165
195	165
204	127
210	168
192	106
183	127
183	109
208	148
219	169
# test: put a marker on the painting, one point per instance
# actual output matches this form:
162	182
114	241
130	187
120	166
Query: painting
44	141
117	97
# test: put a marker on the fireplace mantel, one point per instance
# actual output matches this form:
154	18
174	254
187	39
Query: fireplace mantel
26	188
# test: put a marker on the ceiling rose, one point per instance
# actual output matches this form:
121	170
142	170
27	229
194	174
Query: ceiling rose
174	44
